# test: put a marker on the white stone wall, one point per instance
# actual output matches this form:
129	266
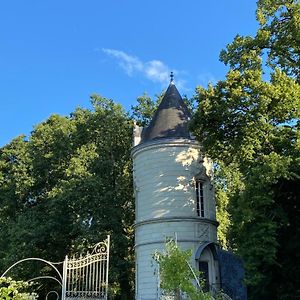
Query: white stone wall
185	230
164	176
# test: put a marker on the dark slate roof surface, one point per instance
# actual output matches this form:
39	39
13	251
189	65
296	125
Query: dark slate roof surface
170	119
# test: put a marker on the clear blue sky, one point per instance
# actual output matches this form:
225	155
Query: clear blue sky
55	53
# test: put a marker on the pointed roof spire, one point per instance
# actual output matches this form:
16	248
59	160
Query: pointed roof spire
170	119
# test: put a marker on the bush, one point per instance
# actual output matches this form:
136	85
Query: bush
15	290
176	275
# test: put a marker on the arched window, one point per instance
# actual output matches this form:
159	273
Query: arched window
200	198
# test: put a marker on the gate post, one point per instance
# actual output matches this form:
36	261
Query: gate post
107	265
64	281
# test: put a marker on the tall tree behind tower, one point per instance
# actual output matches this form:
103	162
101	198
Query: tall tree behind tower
249	124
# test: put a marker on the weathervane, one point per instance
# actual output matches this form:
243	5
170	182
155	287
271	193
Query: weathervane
171	77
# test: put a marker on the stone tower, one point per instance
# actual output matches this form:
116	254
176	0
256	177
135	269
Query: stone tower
174	195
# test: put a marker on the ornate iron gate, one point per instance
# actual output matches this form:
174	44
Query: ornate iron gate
87	277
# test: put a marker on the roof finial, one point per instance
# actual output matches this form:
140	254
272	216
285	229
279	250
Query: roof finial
171	77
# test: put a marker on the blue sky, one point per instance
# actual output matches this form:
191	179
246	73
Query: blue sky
55	53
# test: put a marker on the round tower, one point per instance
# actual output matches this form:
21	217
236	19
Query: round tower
174	196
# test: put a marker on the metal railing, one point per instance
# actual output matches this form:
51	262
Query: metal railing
83	278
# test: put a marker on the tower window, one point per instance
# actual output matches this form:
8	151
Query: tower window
200	198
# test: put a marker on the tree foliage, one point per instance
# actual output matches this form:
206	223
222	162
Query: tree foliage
249	124
15	290
176	276
277	39
66	188
143	111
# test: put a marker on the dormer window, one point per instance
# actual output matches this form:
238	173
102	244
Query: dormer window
200	198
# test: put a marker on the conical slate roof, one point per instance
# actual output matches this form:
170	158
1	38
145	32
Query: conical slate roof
170	119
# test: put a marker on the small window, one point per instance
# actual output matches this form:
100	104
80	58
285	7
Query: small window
200	198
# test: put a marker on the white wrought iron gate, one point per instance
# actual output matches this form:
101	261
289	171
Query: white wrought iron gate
87	277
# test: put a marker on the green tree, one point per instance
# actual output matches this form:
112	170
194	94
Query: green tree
143	111
176	275
66	188
278	38
249	124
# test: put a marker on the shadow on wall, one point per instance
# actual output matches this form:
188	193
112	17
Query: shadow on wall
169	192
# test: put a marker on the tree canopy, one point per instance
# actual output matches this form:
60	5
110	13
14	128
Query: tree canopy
67	187
249	124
